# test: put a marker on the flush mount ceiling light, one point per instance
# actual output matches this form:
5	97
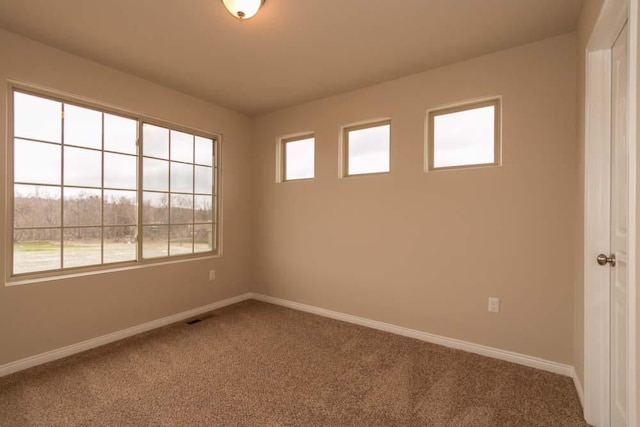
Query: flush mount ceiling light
243	9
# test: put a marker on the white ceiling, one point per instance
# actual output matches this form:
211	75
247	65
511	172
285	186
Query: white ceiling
294	50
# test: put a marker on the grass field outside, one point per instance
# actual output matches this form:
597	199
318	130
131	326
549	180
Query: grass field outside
29	257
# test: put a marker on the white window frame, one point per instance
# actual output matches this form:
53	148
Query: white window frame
21	278
344	146
281	152
496	102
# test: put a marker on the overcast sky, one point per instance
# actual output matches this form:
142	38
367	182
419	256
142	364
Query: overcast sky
369	150
40	162
464	138
300	159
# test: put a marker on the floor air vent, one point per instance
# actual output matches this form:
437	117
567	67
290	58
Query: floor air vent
199	318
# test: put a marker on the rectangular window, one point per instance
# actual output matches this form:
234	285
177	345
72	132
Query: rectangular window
178	192
464	136
298	158
366	148
76	195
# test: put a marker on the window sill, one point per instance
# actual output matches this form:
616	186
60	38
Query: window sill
463	167
26	281
365	174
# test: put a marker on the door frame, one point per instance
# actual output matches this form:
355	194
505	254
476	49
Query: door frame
597	226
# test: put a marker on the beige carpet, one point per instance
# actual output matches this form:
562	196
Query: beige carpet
259	364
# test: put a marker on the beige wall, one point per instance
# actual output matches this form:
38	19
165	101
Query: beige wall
590	11
38	317
425	251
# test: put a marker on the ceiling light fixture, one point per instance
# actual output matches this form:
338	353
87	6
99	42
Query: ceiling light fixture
243	9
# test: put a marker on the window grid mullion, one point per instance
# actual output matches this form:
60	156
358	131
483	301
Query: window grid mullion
169	201
62	150
102	204
139	232
71	226
193	197
83	147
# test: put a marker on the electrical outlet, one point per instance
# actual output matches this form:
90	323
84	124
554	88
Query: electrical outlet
212	275
494	305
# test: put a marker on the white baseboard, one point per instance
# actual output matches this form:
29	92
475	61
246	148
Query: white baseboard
578	385
509	356
495	353
52	355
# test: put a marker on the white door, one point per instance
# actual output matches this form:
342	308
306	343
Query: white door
619	226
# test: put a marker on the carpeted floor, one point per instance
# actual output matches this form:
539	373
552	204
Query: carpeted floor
256	364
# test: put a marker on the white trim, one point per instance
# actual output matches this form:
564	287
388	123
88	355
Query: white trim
613	15
462	103
509	356
457	107
343	154
578	386
281	141
52	355
596	237
632	414
105	270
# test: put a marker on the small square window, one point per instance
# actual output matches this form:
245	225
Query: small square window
464	136
298	158
366	148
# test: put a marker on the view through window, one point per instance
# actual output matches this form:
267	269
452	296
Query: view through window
465	136
299	158
367	148
76	195
177	208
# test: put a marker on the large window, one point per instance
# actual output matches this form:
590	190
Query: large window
464	136
84	197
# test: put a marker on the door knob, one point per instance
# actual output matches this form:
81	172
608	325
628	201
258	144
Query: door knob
603	259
